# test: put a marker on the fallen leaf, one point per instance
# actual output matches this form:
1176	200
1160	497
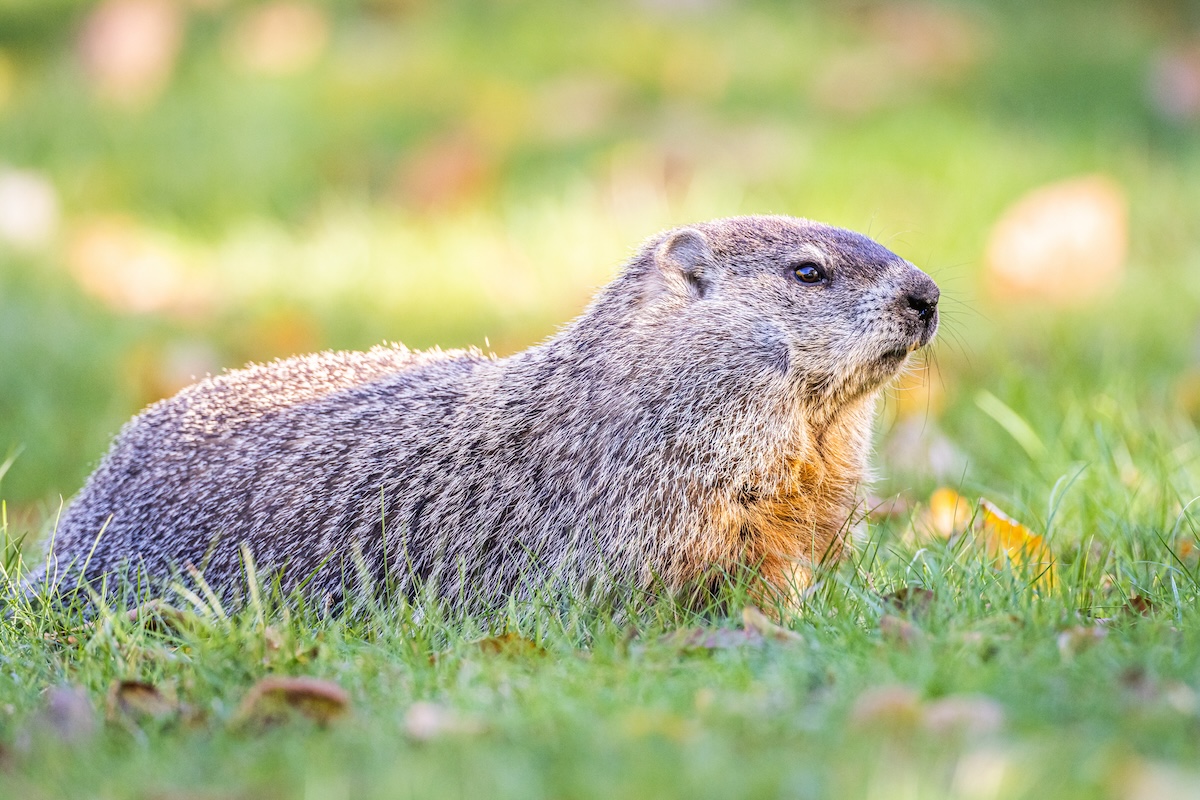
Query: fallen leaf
1004	537
67	714
129	48
134	270
930	39
912	600
29	208
1065	243
910	44
969	716
949	513
1185	549
275	699
61	638
1138	605
1079	638
139	700
756	621
426	721
444	173
509	644
1181	698
712	639
886	706
279	38
1173	85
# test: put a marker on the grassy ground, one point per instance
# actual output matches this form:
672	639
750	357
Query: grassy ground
445	174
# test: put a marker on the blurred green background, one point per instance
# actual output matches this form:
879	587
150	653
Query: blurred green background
188	186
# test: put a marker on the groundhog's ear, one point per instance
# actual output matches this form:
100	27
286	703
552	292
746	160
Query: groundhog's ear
686	263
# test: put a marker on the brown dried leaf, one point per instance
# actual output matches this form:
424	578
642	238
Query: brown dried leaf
273	700
754	620
1137	605
912	600
138	700
426	721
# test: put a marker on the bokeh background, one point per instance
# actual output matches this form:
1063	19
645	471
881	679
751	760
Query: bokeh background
188	185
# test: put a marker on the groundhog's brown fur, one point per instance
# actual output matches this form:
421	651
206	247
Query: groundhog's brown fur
712	407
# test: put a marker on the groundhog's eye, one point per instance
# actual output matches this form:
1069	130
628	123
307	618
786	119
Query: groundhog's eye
809	272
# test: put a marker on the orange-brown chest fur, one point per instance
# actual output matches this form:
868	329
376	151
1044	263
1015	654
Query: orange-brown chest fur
799	518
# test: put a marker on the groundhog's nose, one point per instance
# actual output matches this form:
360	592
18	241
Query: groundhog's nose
924	300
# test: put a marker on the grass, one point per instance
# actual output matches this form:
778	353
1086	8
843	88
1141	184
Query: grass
285	207
608	707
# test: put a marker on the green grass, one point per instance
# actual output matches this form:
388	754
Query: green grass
285	202
615	706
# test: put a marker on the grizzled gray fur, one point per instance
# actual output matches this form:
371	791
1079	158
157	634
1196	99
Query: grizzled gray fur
712	407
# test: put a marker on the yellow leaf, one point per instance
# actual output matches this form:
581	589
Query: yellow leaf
949	513
1005	537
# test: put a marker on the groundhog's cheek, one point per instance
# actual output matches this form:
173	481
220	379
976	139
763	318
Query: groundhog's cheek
769	343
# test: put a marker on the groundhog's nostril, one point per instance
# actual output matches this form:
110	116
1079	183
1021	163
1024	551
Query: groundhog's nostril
924	302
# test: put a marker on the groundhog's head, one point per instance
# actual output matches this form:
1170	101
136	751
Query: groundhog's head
841	312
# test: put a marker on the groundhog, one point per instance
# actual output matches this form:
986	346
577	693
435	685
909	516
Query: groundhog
711	409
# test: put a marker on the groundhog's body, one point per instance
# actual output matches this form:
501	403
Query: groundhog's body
709	409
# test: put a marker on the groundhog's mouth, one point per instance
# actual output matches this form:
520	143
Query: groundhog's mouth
896	355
